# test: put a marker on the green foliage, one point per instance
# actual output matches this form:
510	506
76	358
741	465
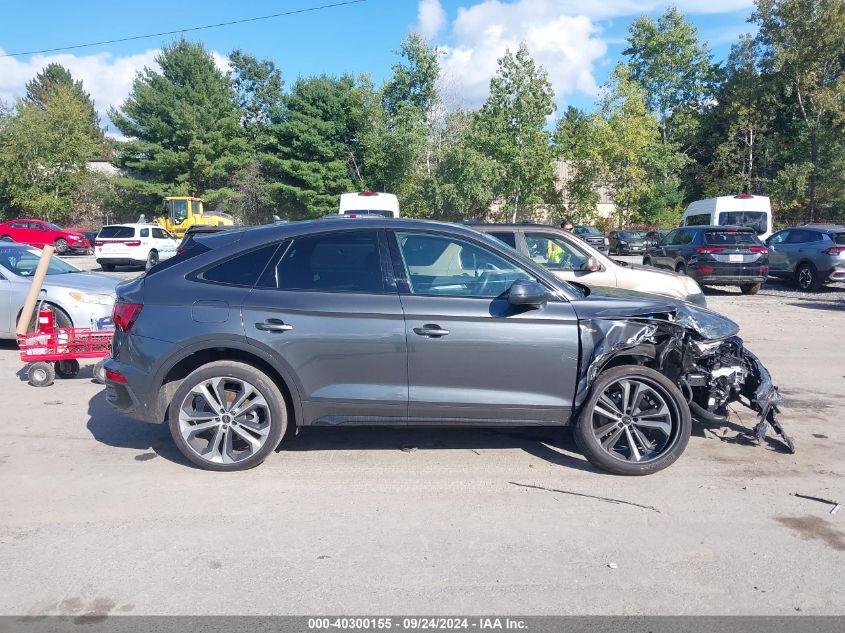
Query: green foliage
43	149
183	123
511	129
674	67
41	88
309	147
259	88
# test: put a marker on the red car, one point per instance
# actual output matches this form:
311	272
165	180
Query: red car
38	233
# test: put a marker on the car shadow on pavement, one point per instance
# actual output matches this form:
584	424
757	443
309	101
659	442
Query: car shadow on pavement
836	306
546	443
113	429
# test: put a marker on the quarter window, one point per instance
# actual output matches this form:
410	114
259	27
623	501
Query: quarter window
243	269
449	266
507	238
145	232
330	262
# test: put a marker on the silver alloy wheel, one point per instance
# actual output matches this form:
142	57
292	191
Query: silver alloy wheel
805	277
634	420
224	420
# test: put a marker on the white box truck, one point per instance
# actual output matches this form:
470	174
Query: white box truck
754	212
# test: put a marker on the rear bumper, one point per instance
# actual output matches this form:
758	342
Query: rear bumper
836	274
121	261
729	280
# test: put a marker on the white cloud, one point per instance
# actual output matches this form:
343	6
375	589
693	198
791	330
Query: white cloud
106	77
566	45
431	18
563	36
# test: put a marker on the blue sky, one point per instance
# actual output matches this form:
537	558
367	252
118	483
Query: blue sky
578	42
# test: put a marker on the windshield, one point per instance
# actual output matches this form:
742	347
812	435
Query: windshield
631	235
54	227
23	262
111	232
756	220
587	230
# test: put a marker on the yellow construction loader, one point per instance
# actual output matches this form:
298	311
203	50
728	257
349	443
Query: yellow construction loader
182	212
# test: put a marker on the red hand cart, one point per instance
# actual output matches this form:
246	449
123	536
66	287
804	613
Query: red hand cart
56	351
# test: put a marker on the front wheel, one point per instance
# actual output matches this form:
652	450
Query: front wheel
750	289
227	416
646	261
61	246
635	422
681	268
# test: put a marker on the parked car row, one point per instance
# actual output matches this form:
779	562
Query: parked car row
39	234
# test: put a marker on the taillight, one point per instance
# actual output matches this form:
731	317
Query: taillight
181	250
704	250
835	250
99	243
115	376
705	270
758	249
125	314
133	243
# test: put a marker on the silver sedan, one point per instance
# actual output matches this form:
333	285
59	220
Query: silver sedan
78	299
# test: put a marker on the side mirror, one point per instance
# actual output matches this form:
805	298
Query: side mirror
591	265
525	292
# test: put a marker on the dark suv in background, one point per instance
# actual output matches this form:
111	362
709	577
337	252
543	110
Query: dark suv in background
809	255
627	242
593	237
399	322
714	256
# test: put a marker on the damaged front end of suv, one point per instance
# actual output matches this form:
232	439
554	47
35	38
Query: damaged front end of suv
695	348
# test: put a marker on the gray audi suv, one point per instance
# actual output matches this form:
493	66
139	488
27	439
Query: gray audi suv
247	333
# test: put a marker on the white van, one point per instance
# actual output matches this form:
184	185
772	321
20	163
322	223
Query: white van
754	212
369	203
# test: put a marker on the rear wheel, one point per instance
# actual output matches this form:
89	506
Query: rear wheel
100	372
807	279
61	246
227	416
41	374
152	259
67	368
647	261
750	289
635	422
681	268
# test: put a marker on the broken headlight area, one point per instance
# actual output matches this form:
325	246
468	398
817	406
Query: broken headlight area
698	350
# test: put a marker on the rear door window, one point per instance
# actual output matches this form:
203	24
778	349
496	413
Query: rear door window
329	262
116	232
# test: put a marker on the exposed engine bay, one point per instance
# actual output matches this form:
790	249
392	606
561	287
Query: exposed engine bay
698	350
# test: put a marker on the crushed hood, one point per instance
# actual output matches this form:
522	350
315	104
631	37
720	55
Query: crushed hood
621	304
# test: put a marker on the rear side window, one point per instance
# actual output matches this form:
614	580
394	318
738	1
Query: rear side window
801	236
507	238
145	232
731	237
684	237
116	232
241	270
330	262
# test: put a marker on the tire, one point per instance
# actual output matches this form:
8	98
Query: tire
152	260
100	373
646	261
750	289
61	246
807	279
617	451
67	368
681	268
107	268
41	374
267	422
60	318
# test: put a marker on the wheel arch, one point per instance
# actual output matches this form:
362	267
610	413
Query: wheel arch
180	365
49	304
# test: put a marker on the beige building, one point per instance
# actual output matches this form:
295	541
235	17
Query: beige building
563	169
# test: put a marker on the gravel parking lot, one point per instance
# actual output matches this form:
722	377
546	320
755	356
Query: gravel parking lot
102	514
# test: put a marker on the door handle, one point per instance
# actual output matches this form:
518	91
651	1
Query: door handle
273	325
431	330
